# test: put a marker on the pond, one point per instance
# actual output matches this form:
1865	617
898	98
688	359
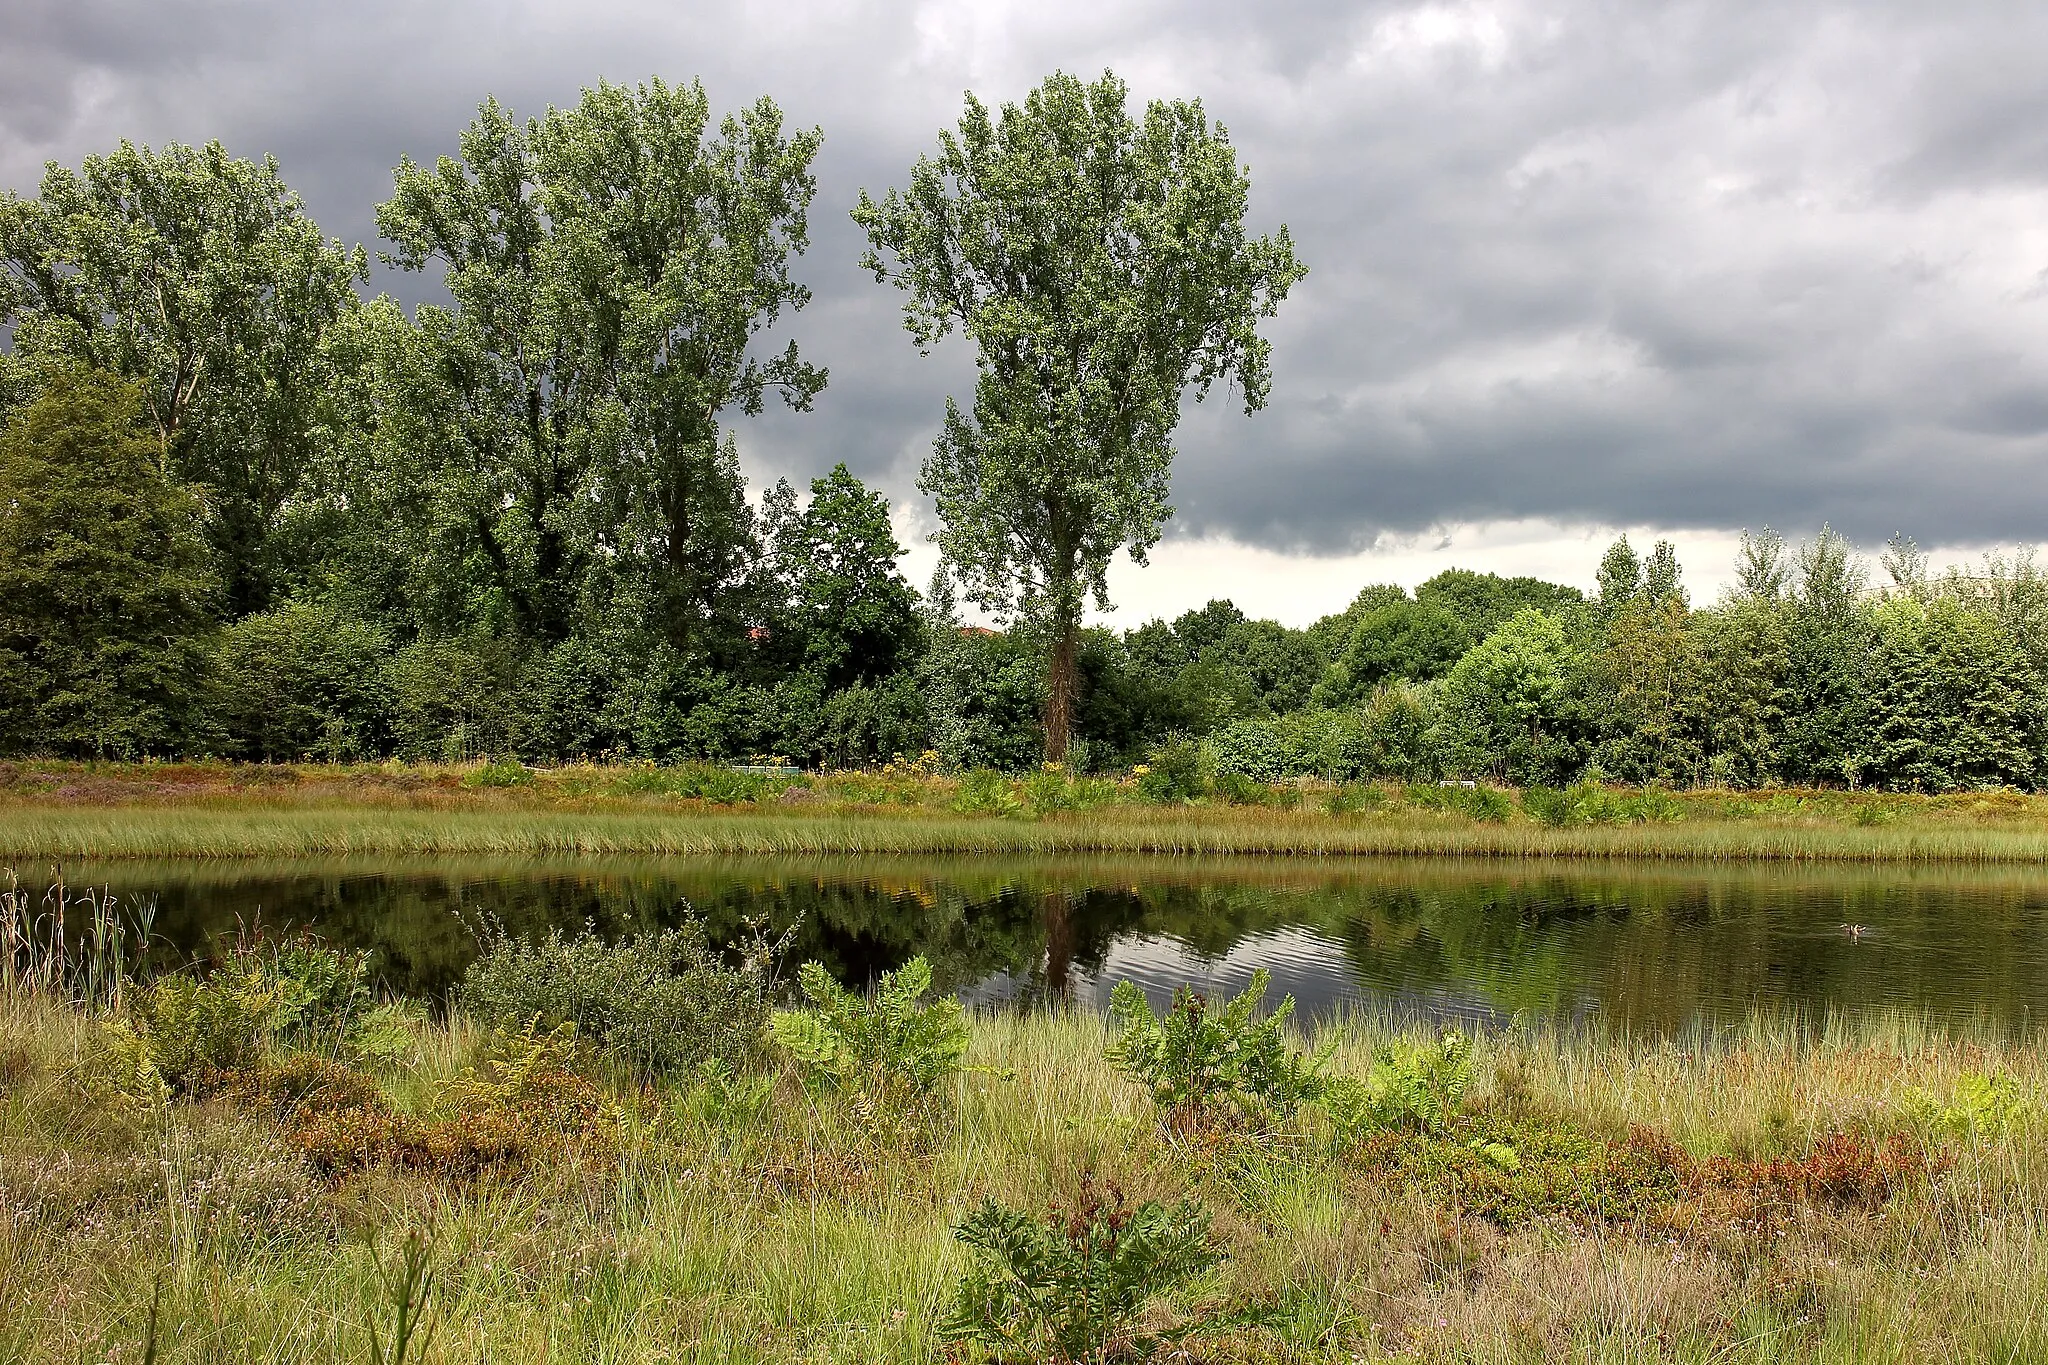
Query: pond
1653	948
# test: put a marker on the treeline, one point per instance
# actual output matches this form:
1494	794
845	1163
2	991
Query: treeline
247	511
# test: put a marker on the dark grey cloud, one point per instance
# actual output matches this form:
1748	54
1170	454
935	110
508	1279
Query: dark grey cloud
1683	264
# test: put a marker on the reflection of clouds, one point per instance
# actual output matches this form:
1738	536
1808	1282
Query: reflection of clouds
1655	950
1319	973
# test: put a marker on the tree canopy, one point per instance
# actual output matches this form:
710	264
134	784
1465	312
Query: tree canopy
1100	265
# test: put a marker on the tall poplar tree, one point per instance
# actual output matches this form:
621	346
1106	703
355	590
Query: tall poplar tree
1100	266
612	265
199	277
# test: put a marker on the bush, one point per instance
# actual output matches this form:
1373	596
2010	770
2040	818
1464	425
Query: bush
1332	745
1051	788
304	681
192	1031
501	774
662	1002
1485	805
1178	772
887	1043
986	792
1980	1104
1589	803
715	783
1073	1286
1195	1061
452	699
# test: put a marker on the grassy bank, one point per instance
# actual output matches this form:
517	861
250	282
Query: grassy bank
1762	1198
63	811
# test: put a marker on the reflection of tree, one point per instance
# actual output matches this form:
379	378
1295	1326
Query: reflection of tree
1651	947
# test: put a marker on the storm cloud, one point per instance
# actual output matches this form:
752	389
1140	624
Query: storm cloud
1697	265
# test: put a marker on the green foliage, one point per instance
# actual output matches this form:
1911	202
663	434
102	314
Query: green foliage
503	773
611	265
1952	701
1073	1286
890	1043
1483	804
1200	1064
1484	602
1177	772
984	791
1503	696
661	1002
106	595
194	1029
1422	1085
303	681
1980	1105
451	698
1099	265
1332	745
1589	803
721	1096
199	278
1052	788
849	617
1408	641
716	783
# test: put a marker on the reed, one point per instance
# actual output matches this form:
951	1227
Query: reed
79	946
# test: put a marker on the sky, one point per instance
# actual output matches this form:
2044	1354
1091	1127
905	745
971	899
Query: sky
1575	268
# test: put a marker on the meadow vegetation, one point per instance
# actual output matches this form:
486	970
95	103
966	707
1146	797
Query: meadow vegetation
52	809
265	1161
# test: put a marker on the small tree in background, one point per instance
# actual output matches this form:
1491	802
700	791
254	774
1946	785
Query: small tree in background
1100	265
106	595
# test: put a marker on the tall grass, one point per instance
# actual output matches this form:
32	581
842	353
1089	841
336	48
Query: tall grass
78	946
260	830
762	1244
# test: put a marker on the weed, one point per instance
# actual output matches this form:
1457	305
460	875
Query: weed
1482	805
408	1281
1196	1063
985	791
889	1043
1980	1104
1071	1287
1418	1084
503	773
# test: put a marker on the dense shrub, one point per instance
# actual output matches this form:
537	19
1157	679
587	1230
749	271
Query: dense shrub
1589	803
304	681
662	1002
984	791
1175	773
1332	745
452	698
1487	805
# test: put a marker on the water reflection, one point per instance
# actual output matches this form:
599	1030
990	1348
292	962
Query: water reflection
1651	948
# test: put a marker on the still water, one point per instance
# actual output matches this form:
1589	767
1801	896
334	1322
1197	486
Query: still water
1652	948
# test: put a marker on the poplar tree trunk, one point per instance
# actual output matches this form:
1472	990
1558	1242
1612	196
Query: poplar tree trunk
1062	689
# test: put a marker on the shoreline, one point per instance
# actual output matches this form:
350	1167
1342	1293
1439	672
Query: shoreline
240	811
